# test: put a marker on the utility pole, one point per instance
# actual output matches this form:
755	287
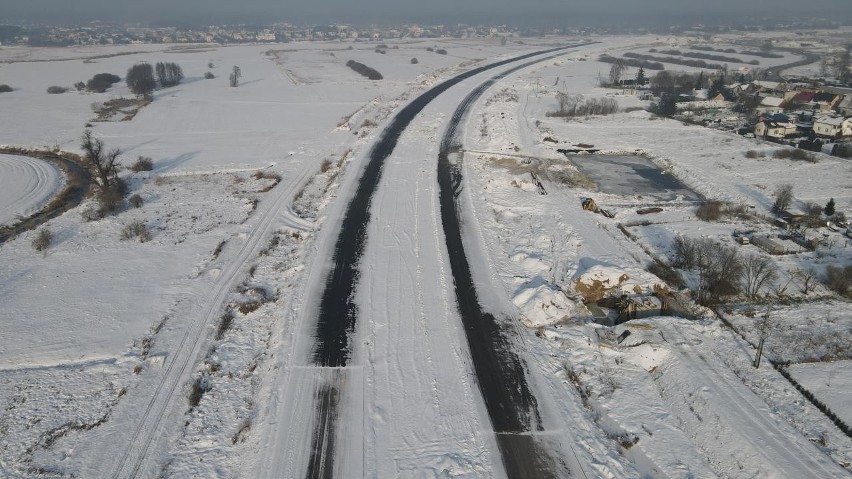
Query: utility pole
763	330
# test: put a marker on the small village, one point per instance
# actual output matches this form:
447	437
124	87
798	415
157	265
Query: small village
795	112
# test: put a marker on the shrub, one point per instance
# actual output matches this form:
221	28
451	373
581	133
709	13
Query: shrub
266	175
839	279
441	51
110	197
325	165
843	150
430	49
135	201
55	90
414	61
802	155
5	88
42	240
91	214
795	154
665	273
209	76
364	70
143	163
80	86
136	229
709	211
752	154
199	387
100	82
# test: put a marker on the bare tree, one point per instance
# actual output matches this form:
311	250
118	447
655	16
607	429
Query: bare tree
719	270
823	67
104	164
783	196
807	277
685	252
842	62
719	267
662	82
568	103
758	272
615	73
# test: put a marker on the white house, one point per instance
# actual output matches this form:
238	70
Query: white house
828	126
846	127
772	129
771	105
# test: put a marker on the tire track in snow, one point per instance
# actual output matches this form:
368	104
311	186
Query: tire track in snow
511	406
197	337
338	311
26	184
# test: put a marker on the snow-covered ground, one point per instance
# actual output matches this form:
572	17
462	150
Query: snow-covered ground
830	382
26	184
186	355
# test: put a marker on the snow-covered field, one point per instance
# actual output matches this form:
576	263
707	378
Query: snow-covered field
26	184
830	382
186	355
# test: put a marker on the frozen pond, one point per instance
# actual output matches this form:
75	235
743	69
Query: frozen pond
631	175
26	185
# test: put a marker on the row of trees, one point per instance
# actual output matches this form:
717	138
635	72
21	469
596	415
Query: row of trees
708	56
142	81
721	270
674	60
368	72
838	64
575	105
632	62
169	74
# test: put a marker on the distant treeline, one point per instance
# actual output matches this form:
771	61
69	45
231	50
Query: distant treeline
707	56
368	72
632	62
761	54
675	61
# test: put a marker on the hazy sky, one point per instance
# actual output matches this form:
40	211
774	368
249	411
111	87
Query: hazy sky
368	11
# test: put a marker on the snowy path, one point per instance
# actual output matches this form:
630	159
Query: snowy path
161	415
26	185
425	415
737	431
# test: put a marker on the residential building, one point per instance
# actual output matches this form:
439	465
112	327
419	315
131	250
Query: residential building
828	126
